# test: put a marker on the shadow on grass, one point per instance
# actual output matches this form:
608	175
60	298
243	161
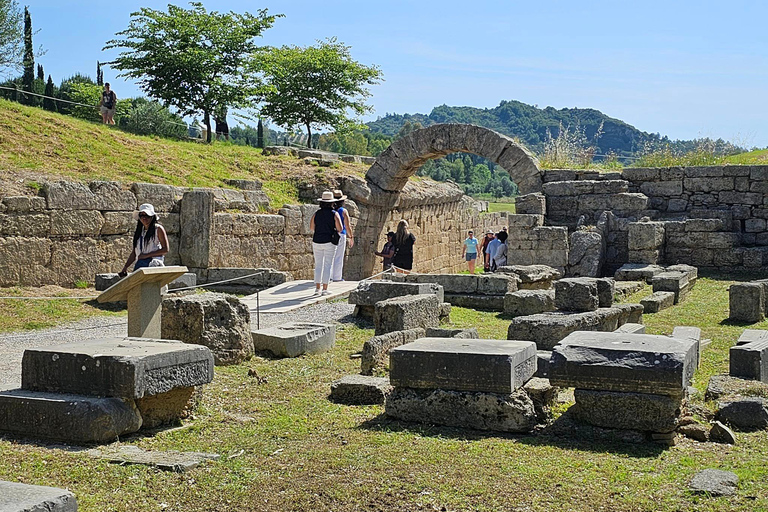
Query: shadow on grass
107	306
563	433
736	323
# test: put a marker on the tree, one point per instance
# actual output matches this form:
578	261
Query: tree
40	72
99	74
10	36
192	59
260	135
29	57
48	103
315	86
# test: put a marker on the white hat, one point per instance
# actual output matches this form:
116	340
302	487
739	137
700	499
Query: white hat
339	195
148	209
327	197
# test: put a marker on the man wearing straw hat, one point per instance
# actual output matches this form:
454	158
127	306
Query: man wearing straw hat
346	232
326	226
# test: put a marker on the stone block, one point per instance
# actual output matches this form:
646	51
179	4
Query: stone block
295	338
746	302
637	272
658	301
116	367
532	277
26	225
220	322
750	360
246	279
750	413
368	293
165	408
543	394
714	482
196	219
70	418
168	460
23	204
676	282
189	279
467	334
750	335
513	412
576	294
606	288
496	284
75	223
535	204
690	333
529	302
15	497
542	363
627	410
375	353
403	313
645	235
586	254
492	366
360	390
97	195
623	289
650	256
476	301
165	198
451	283
630	328
637	363
104	281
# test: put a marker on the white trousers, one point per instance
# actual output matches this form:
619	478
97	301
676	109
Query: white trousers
323	261
338	259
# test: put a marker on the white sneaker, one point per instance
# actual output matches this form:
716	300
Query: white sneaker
317	292
326	292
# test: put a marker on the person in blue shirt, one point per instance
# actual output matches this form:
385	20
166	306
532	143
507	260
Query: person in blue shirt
493	245
469	251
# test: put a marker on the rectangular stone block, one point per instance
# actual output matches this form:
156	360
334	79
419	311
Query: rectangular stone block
409	312
637	363
750	360
493	366
529	302
187	280
676	282
632	411
746	302
64	417
630	328
576	294
637	272
476	301
658	301
645	235
750	335
368	293
104	281
295	338
375	353
15	497
116	367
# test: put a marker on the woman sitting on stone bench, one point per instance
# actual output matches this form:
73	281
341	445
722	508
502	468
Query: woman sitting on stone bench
150	243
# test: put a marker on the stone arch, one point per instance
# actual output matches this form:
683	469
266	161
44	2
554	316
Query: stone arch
400	160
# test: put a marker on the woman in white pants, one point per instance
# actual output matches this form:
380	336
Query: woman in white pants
326	226
346	232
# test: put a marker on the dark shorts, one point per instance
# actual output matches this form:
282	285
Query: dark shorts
142	264
471	256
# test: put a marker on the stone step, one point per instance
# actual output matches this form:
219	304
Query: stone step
658	301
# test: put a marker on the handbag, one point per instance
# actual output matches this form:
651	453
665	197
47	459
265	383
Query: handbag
335	237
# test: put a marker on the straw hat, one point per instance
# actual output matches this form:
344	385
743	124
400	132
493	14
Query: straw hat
148	209
327	197
338	195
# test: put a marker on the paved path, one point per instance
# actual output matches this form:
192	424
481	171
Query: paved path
294	295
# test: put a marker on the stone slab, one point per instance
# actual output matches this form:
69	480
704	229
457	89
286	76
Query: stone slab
439	332
116	367
404	313
368	293
636	363
70	418
750	335
750	360
15	497
476	301
171	460
637	272
295	338
360	390
714	482
529	302
632	411
492	366
159	276
104	281
746	302
630	328
513	412
676	282
744	413
658	301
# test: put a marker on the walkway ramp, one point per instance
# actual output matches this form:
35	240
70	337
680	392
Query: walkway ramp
294	295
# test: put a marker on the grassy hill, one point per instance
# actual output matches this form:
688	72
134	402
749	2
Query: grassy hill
36	145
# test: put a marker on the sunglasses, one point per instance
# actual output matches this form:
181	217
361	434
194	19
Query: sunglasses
143	216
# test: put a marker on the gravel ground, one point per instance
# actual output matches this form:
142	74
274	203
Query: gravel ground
12	344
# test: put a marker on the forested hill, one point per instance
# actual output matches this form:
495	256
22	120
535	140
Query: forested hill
530	124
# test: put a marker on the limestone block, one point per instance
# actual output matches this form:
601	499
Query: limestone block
196	218
307	212
645	235
118	223
70	223
104	281
586	255
295	338
219	322
631	328
97	195
631	363
632	411
375	353
532	277
23	204
658	301
708	184
606	288
637	272
750	360
368	293
748	413
481	411
746	302
529	302
496	284
704	225
476	301
70	418
750	335
165	198
245	224
535	204
662	188
524	221
360	390
451	283
714	482
16	497
165	408
116	367
576	294
403	313
25	225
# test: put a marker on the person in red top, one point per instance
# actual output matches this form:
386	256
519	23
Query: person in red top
483	246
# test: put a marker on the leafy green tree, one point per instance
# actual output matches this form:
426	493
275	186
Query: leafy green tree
146	117
192	59
10	36
85	94
65	91
29	58
317	86
50	92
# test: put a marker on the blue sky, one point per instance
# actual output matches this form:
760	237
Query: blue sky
684	69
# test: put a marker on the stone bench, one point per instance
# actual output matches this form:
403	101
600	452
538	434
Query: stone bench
658	301
295	339
532	277
16	497
368	293
471	291
547	329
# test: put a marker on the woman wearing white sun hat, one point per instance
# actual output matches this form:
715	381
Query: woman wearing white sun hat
150	242
326	226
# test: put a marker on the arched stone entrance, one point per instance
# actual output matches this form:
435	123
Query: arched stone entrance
380	192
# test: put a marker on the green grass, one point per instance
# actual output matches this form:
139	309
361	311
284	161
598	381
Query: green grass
501	207
36	145
285	446
759	156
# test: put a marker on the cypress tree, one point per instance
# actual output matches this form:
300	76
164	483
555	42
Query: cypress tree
40	73
48	103
99	74
28	79
260	134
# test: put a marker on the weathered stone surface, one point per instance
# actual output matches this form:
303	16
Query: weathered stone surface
476	301
529	302
676	282
628	410
97	195
494	284
695	431
586	254
636	363
71	418
116	367
165	198
15	497
368	293
630	328
750	360
576	294
606	289
547	329
376	350
724	386
403	313
164	408
481	411
104	281
467	334
171	460
746	302
220	322
295	338
532	277
749	413
280	151
637	272
645	235
25	225
714	482
23	204
535	204
658	301
196	219
68	223
187	280
542	363
260	278
719	433
750	335
543	395
494	366
623	289
360	390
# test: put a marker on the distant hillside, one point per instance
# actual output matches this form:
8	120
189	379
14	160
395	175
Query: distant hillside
530	124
